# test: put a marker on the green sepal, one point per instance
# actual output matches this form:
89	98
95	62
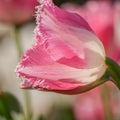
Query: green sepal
114	71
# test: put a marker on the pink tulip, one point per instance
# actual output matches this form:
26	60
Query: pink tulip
89	106
101	17
16	11
117	28
97	105
67	55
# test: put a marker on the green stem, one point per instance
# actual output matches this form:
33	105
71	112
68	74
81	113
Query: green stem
17	41
114	70
28	107
106	102
26	93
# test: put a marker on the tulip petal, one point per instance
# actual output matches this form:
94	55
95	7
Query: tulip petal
76	35
37	65
67	53
44	84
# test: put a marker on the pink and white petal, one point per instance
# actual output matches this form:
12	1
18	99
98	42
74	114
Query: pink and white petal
47	8
67	55
86	46
58	71
45	84
36	63
66	86
80	40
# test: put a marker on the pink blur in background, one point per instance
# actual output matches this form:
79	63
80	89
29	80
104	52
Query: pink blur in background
17	11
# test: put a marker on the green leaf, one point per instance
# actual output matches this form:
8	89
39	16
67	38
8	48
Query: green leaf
41	118
61	112
8	104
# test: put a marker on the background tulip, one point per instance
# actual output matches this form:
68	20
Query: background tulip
16	11
90	106
67	55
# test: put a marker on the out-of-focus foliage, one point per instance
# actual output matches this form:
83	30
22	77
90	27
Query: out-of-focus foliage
8	105
41	118
59	112
59	2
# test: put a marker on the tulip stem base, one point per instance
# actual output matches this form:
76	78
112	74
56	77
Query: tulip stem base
98	82
26	93
17	42
114	71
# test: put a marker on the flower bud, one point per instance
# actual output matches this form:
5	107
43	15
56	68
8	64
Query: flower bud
67	55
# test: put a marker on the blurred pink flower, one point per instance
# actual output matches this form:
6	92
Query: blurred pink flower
16	11
89	106
101	17
67	56
117	27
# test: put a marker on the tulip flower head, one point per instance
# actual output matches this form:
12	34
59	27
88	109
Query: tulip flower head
67	55
16	11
